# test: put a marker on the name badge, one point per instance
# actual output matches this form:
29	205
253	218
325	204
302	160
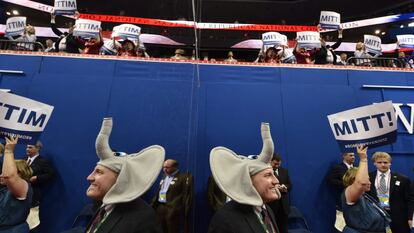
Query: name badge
384	200
388	229
162	197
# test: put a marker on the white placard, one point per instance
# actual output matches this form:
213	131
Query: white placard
65	7
371	125
273	39
86	28
127	31
373	44
308	40
15	26
330	20
23	117
405	41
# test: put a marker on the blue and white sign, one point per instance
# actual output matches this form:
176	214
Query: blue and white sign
330	20
273	39
127	31
308	40
373	44
65	7
108	48
371	125
86	28
22	117
15	26
405	41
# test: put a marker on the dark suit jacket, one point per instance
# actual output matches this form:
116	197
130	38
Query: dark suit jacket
44	171
132	217
179	194
234	217
401	201
335	179
283	178
216	197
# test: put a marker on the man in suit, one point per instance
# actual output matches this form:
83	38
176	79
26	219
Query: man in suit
281	207
43	171
172	201
119	182
393	192
250	183
336	174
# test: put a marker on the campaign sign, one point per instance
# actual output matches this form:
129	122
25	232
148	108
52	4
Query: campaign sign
128	31
405	41
373	44
15	26
86	28
65	7
330	20
308	40
273	39
108	48
22	117
371	125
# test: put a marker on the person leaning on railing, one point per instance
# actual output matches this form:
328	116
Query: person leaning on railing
27	40
361	212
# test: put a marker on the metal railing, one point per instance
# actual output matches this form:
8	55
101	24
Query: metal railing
21	46
378	62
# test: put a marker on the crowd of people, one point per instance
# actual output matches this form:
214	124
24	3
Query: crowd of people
326	54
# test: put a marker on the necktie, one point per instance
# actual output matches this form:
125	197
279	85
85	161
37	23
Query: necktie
97	220
29	161
382	189
267	221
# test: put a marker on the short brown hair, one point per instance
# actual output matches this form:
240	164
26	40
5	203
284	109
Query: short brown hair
381	155
25	172
349	176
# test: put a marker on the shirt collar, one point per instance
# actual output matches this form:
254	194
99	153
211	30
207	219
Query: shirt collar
387	173
33	157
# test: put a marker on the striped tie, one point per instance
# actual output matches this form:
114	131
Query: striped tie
382	189
267	221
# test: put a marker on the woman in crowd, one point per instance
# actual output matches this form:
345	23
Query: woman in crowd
15	192
27	39
361	212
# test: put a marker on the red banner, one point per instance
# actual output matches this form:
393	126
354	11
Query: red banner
190	24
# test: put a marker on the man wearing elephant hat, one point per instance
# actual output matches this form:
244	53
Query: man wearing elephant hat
250	183
119	182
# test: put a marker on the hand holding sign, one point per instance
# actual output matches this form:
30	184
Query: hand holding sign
362	152
87	28
10	144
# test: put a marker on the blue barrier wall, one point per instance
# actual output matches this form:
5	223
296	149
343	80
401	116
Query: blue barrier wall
167	104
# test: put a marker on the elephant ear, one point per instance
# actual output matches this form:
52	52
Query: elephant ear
268	146
137	174
103	150
231	173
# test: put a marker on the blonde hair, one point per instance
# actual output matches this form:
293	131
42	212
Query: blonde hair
25	172
349	176
381	155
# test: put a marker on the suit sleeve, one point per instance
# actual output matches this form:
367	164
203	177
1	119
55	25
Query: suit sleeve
288	182
335	177
409	192
220	224
46	172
